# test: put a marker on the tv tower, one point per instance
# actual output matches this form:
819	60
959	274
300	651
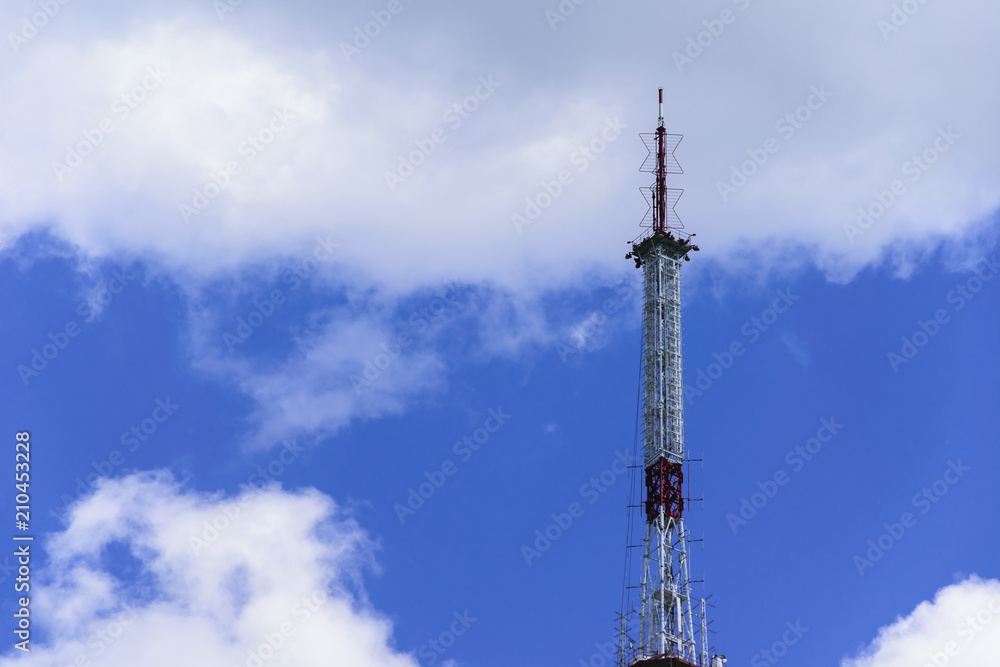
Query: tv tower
658	626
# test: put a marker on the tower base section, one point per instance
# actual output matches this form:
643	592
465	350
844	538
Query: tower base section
663	662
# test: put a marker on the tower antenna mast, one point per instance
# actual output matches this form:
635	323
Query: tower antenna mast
657	626
661	172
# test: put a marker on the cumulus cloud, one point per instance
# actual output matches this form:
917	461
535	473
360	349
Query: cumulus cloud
361	359
217	152
339	370
960	627
215	146
345	124
254	579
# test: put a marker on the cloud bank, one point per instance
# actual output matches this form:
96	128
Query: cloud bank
220	145
207	145
960	627
260	578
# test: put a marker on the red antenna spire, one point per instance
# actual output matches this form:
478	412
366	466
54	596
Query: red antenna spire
660	162
661	219
659	194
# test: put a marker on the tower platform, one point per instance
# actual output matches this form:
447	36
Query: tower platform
662	662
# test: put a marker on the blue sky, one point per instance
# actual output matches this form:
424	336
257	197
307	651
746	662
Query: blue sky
237	410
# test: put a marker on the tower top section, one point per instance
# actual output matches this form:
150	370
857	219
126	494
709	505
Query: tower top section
662	224
661	624
660	124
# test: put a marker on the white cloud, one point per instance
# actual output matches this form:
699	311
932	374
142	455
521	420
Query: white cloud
273	576
343	363
341	370
349	363
960	627
321	174
324	173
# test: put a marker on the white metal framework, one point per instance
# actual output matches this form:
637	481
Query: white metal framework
658	628
666	622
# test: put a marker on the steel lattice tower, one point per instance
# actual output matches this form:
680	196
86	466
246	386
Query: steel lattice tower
658	628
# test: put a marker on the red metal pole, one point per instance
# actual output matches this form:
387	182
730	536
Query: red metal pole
661	176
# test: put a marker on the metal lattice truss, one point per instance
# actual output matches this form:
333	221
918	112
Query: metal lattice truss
663	399
658	629
666	622
663	625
